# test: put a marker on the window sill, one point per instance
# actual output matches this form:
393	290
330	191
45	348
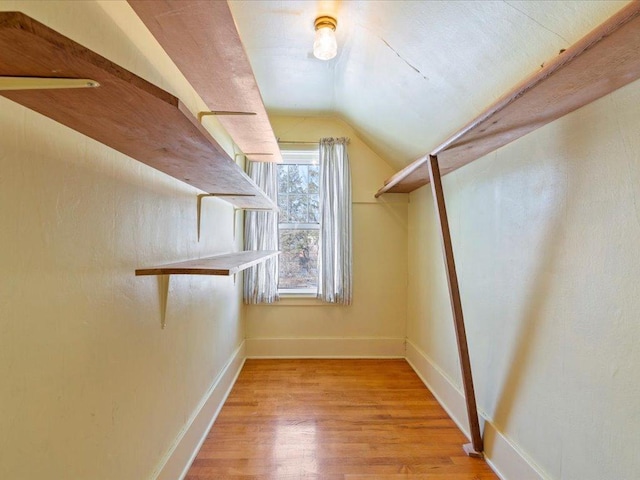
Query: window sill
298	300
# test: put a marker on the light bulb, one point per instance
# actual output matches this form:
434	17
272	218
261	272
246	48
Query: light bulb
325	46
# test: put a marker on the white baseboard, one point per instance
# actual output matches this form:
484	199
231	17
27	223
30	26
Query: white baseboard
325	347
176	463
501	454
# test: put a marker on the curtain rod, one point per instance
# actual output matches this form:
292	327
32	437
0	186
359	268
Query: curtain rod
287	142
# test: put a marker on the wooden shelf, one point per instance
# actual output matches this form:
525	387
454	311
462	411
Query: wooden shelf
228	264
202	40
125	112
601	62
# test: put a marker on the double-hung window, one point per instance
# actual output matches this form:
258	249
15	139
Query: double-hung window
298	222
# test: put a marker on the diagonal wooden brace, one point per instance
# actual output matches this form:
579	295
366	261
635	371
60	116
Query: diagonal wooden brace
475	448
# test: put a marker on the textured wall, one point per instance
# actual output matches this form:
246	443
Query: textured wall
546	234
91	387
407	73
379	254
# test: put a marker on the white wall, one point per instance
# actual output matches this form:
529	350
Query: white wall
375	323
546	234
92	387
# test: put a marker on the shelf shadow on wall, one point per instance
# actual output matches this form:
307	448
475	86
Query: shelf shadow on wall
553	246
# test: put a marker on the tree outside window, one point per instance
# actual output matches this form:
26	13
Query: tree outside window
299	228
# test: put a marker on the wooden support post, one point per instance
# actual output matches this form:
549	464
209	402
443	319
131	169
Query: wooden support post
475	448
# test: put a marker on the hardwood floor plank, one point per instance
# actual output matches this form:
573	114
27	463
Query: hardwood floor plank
333	420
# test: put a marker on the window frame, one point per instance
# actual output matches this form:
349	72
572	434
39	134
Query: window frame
298	156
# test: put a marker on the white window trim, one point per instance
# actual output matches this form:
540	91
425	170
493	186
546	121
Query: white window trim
299	156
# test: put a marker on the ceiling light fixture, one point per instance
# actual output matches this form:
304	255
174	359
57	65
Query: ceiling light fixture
325	46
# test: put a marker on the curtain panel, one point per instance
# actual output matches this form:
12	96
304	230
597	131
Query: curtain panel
261	233
335	262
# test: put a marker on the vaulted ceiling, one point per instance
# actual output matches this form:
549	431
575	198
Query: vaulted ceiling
407	73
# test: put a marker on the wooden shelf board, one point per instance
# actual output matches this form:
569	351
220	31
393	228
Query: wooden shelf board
201	38
126	112
601	62
228	264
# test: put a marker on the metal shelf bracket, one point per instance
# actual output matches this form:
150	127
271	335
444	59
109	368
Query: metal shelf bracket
44	83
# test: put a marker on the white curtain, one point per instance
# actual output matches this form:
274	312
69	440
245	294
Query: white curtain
261	233
335	257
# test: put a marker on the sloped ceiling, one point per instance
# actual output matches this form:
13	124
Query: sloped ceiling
408	73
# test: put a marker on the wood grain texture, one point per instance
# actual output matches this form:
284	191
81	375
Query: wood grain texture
201	38
601	62
333	420
228	264
456	306
126	112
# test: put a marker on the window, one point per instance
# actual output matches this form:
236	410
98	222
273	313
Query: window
298	223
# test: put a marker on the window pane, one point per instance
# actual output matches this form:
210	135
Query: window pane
314	209
283	204
297	208
314	178
304	177
295	179
298	262
283	176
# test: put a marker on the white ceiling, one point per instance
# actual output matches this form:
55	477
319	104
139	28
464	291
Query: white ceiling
408	73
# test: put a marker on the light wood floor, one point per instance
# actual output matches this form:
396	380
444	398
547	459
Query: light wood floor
333	420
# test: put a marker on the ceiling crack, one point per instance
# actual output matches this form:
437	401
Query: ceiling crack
403	59
297	124
537	22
